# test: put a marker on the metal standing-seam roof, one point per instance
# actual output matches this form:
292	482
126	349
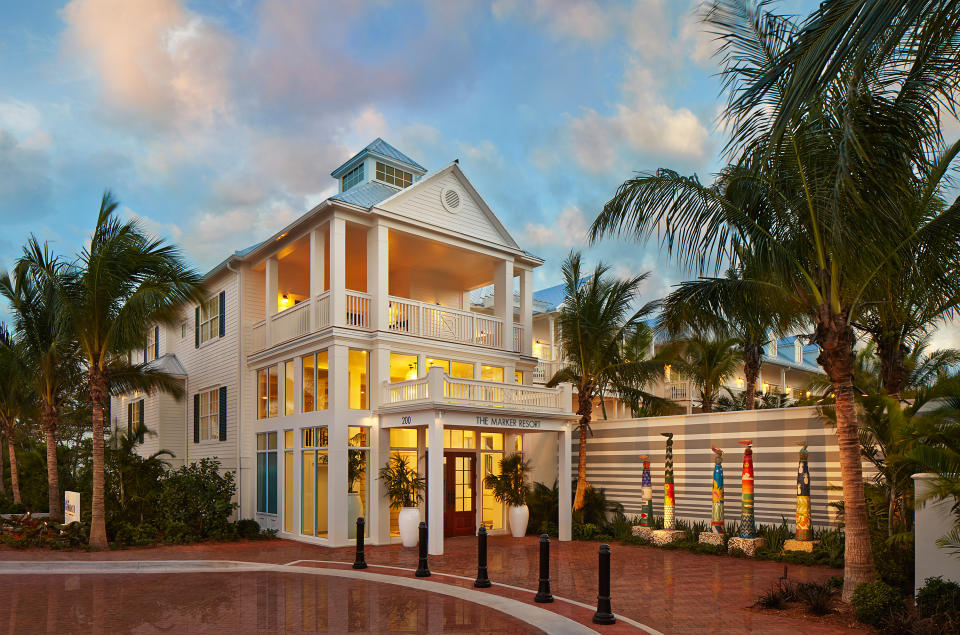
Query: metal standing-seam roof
384	149
366	195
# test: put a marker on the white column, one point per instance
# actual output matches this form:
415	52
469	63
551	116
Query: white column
421	365
379	373
378	512
526	311
554	353
337	443
317	265
378	272
338	271
272	280
783	380
564	476
503	300
465	301
435	486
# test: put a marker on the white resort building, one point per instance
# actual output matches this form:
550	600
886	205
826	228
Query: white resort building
350	336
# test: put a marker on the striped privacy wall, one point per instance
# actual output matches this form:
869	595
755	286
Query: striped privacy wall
613	449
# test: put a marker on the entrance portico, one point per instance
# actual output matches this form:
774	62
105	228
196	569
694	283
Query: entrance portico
439	403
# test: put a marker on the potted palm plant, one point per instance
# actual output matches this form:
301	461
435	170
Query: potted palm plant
510	487
405	490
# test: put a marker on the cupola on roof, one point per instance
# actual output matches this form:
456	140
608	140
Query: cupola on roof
380	149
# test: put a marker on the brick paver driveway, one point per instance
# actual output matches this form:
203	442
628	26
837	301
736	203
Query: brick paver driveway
669	591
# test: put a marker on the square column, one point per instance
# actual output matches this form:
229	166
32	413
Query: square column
337	448
526	311
318	238
503	300
564	476
338	271
435	486
272	282
378	275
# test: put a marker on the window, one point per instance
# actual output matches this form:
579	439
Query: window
267	392
313	482
518	377
358	398
267	473
151	350
459	439
352	177
209	313
315	389
183	330
288	392
439	363
393	176
491	452
402	367
135	419
209	415
463	370
491	373
358	482
403	443
288	475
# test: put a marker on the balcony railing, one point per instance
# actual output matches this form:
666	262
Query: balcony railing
517	338
443	323
290	324
258	336
545	369
473	392
323	310
676	390
358	309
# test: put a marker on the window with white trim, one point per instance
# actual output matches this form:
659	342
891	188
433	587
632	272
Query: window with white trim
210	415
210	319
393	176
351	178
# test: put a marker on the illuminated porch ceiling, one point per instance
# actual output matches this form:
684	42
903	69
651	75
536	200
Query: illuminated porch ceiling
421	261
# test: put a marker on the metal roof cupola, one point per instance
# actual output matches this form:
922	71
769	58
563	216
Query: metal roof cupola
377	171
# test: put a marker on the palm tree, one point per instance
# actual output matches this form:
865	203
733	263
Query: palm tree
823	224
44	340
729	308
16	400
707	362
595	320
122	282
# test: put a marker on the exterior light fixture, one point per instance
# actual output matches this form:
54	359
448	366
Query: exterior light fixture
284	300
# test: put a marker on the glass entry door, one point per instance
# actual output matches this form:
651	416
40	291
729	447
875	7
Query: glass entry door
460	492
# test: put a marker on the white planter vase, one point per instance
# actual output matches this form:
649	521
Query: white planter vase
409	522
519	516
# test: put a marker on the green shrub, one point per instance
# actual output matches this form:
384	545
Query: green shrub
197	499
938	596
543	503
818	598
248	528
134	535
595	507
875	602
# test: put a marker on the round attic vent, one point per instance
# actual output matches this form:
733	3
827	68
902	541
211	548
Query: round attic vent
451	200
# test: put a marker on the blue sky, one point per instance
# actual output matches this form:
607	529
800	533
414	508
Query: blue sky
219	122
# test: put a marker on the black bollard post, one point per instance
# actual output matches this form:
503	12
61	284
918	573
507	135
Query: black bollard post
543	593
360	562
604	615
422	570
482	580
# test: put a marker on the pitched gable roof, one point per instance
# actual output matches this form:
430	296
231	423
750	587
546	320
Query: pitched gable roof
380	147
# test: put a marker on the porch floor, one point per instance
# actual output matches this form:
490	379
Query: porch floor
667	591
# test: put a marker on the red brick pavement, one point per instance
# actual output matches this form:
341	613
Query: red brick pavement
672	591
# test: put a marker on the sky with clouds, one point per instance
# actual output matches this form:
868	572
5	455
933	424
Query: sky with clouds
218	122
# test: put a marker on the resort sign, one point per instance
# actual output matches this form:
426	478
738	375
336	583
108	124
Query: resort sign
71	507
507	422
473	419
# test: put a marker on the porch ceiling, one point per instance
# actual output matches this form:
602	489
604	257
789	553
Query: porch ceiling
422	262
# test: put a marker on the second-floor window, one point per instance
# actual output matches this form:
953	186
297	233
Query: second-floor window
151	349
315	386
135	419
267	381
393	176
210	319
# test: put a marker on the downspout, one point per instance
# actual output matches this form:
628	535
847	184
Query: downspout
239	388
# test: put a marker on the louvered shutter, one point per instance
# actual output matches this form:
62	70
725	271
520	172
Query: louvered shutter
156	342
142	421
196	329
223	413
129	418
196	418
223	312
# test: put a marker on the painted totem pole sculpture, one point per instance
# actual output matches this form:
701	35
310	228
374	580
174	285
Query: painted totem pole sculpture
669	502
747	527
803	497
646	484
716	516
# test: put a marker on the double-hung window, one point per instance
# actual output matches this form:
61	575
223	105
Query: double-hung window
135	419
267	392
210	415
209	318
267	473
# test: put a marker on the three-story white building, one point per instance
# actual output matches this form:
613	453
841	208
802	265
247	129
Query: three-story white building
350	336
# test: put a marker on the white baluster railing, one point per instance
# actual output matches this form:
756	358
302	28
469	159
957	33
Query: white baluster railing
323	310
291	323
358	309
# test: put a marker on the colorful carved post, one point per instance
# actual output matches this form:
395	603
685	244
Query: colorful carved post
669	502
747	527
716	517
646	484
803	497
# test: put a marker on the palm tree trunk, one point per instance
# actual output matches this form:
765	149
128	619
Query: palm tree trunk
706	401
752	354
48	421
14	471
585	410
893	368
3	485
836	340
98	524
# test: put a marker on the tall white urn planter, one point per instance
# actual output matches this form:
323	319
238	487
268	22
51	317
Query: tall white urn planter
409	523
519	517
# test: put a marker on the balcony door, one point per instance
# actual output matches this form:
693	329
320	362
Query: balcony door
460	490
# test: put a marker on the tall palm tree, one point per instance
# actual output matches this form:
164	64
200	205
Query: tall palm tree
707	362
596	318
824	223
727	307
16	400
50	353
122	282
